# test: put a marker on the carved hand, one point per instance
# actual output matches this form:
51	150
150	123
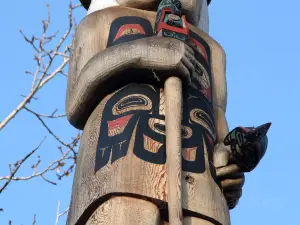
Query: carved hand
228	173
166	56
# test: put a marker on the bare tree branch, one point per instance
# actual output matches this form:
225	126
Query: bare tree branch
18	165
51	55
43	73
58	214
51	116
48	129
34	220
55	165
51	132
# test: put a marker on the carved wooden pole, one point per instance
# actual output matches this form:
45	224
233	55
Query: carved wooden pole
131	119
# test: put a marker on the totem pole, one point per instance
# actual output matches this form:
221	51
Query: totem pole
147	86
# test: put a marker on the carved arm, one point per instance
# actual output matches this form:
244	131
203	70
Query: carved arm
105	72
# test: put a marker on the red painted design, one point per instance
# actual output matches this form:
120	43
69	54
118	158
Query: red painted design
189	154
210	140
163	26
121	32
164	169
151	145
117	126
200	48
207	93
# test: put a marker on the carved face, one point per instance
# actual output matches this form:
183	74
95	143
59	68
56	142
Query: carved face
196	11
134	116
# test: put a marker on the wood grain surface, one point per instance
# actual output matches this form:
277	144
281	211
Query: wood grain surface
130	175
125	210
173	108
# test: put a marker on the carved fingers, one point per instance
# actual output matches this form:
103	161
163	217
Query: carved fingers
183	62
233	197
232	182
168	57
229	174
227	170
186	66
189	61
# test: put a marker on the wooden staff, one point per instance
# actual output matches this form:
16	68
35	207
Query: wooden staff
170	21
173	109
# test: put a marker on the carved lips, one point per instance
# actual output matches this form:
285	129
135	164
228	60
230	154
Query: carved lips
129	29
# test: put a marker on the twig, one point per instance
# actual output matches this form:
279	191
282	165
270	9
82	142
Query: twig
52	116
55	165
47	128
52	166
50	131
18	165
34	220
58	215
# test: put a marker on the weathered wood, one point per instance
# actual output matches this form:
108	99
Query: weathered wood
196	221
145	179
191	8
117	102
173	108
95	5
133	211
125	210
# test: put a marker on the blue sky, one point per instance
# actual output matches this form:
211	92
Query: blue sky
261	40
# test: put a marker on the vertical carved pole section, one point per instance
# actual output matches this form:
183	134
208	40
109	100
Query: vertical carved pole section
173	108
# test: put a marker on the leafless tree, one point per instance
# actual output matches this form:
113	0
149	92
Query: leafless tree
51	55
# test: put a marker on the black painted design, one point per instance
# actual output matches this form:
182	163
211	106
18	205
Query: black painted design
195	100
202	77
133	112
206	64
136	106
141	24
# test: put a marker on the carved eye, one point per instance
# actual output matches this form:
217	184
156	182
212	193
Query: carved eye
186	132
157	125
200	117
133	102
